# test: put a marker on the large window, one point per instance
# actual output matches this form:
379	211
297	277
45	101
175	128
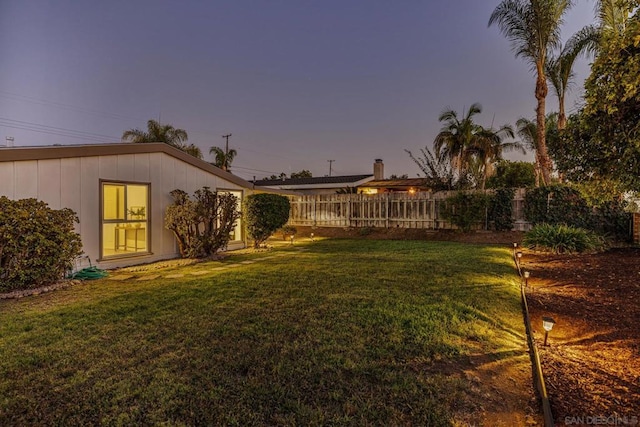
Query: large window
125	219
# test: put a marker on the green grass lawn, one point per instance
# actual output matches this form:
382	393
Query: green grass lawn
347	332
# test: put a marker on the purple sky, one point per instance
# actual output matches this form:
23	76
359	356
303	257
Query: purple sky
297	82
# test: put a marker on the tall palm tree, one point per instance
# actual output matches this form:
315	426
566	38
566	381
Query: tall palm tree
157	132
533	27
456	136
559	68
527	130
223	159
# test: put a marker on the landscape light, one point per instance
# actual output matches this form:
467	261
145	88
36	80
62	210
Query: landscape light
312	237
547	324
526	275
515	245
292	239
519	255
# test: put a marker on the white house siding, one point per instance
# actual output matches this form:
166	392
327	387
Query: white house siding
75	183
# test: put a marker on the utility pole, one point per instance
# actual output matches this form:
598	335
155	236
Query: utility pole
330	165
226	152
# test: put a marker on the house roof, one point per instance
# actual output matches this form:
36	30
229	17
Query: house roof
397	183
345	179
315	183
89	150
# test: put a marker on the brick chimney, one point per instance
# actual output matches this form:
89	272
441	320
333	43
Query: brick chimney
378	170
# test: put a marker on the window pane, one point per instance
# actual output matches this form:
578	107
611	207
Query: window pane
113	201
137	202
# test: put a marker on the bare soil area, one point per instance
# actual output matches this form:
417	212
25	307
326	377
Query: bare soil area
592	362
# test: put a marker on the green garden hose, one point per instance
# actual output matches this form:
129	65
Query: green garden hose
89	273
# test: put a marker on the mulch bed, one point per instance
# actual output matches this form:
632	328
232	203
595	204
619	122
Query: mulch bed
592	362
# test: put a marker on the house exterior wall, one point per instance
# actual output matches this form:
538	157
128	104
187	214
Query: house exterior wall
74	183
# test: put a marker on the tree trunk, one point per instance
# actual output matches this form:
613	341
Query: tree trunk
541	95
562	117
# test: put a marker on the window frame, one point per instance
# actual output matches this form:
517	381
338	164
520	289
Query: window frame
102	221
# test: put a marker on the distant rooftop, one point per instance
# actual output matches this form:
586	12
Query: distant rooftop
344	179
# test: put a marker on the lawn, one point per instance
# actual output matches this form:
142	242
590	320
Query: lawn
345	332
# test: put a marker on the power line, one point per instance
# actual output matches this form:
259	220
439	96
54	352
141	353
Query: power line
53	130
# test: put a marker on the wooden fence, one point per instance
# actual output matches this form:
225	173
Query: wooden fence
403	210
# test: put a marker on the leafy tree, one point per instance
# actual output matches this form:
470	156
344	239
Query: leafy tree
223	159
394	176
202	226
265	213
533	27
302	174
610	125
437	170
513	175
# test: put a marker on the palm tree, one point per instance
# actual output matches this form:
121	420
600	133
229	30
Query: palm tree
613	16
223	159
157	132
559	69
192	149
527	130
533	27
456	136
488	146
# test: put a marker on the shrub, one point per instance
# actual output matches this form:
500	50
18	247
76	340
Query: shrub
465	209
264	214
566	205
556	204
560	238
501	209
38	245
202	226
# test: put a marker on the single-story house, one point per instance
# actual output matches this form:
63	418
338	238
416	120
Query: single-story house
324	184
405	185
120	193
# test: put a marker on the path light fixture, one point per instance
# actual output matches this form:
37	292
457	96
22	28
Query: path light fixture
526	275
291	239
547	324
519	256
312	237
515	245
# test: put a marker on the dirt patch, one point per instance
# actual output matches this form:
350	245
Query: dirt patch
592	363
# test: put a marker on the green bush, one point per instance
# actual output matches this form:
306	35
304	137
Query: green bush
501	209
264	215
560	238
556	204
566	205
38	245
464	210
202	226
288	231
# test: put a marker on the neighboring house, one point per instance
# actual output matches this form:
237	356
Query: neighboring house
120	193
325	184
406	185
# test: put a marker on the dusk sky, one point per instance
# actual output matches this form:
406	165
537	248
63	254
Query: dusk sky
296	82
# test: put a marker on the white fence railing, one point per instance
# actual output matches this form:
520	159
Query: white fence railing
403	210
